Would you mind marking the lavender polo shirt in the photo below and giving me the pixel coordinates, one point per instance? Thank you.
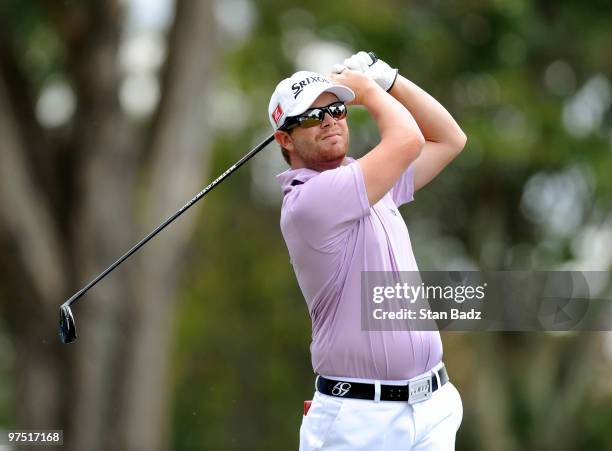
(333, 235)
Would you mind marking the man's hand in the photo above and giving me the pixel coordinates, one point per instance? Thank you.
(369, 64)
(360, 83)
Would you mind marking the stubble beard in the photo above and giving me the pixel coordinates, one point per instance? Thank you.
(325, 157)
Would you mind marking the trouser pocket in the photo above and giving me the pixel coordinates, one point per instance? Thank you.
(317, 424)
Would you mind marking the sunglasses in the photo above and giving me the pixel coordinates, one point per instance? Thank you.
(315, 116)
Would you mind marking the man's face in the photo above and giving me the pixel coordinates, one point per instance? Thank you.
(320, 147)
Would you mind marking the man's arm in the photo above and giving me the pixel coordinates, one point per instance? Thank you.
(401, 140)
(444, 139)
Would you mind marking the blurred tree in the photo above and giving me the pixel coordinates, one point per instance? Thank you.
(523, 195)
(75, 197)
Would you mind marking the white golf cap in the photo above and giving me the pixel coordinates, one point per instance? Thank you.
(295, 94)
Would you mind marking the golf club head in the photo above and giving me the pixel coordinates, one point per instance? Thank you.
(67, 330)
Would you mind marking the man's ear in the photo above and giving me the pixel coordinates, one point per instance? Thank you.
(284, 139)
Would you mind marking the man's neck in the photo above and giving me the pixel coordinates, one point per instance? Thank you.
(321, 167)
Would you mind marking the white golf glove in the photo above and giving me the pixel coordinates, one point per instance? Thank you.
(370, 65)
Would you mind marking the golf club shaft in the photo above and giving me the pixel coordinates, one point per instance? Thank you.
(144, 241)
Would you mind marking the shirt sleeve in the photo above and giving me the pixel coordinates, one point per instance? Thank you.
(403, 190)
(328, 205)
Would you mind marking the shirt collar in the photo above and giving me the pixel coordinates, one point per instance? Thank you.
(293, 177)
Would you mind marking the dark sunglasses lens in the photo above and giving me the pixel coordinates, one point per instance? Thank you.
(338, 111)
(311, 118)
(67, 329)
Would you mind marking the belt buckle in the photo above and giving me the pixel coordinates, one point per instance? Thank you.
(419, 390)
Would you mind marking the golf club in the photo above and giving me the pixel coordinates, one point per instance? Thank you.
(67, 330)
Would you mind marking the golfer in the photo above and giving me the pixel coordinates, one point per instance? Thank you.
(374, 390)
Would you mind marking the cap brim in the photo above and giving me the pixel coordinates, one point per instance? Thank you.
(343, 93)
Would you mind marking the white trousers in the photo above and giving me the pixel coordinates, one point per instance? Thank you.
(345, 424)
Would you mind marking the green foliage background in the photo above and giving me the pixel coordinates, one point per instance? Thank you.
(244, 320)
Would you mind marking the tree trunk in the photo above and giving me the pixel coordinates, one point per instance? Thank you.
(177, 172)
(110, 389)
(32, 275)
